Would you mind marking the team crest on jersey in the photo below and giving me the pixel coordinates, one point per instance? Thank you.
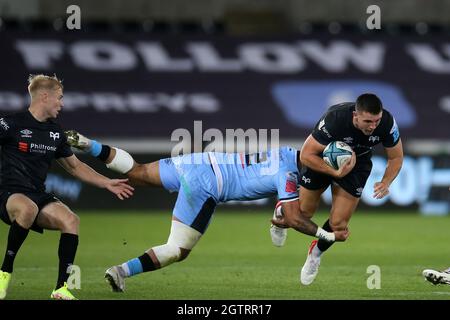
(306, 180)
(4, 124)
(54, 135)
(374, 139)
(25, 133)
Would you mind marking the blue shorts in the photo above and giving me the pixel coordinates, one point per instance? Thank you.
(197, 190)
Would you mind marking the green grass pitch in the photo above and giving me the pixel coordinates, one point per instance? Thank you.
(236, 260)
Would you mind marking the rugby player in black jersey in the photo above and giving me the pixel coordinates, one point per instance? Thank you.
(30, 140)
(362, 125)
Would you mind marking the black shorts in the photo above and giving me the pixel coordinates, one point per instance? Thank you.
(41, 199)
(353, 182)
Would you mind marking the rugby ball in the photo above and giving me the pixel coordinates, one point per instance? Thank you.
(336, 153)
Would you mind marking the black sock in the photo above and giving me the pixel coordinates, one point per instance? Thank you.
(104, 154)
(147, 263)
(322, 244)
(68, 244)
(16, 236)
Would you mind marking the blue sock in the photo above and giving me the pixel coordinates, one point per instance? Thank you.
(134, 266)
(96, 148)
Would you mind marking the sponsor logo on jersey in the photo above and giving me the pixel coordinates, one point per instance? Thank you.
(4, 124)
(374, 139)
(54, 135)
(23, 146)
(41, 148)
(25, 133)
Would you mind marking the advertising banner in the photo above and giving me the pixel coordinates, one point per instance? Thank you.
(146, 86)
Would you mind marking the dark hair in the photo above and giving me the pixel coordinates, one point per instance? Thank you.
(368, 102)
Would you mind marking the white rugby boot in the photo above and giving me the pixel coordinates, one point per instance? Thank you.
(437, 277)
(115, 277)
(278, 234)
(311, 267)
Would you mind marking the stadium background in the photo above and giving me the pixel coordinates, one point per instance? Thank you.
(138, 70)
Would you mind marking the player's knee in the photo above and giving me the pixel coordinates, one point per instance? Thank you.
(181, 240)
(28, 212)
(183, 236)
(25, 215)
(68, 223)
(73, 221)
(122, 162)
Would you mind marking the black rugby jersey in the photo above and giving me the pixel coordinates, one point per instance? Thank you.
(337, 125)
(28, 148)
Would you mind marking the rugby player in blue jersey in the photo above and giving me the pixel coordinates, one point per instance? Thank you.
(202, 181)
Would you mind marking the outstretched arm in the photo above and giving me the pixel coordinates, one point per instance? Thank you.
(85, 173)
(292, 218)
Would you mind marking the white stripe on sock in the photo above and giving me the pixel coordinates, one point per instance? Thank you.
(126, 269)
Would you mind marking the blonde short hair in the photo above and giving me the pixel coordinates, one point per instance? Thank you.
(43, 82)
